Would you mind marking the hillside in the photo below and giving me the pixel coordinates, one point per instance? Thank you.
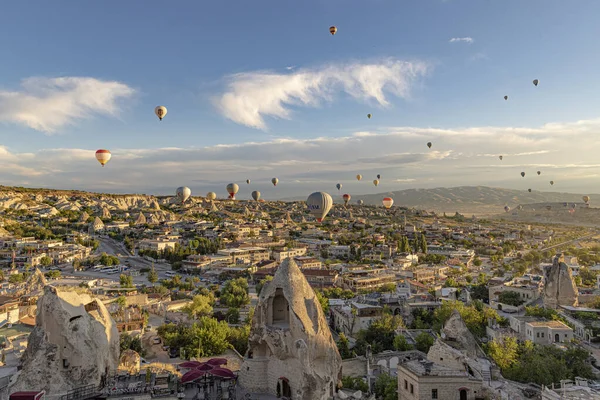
(468, 199)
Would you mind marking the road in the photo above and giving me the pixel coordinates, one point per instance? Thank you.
(114, 248)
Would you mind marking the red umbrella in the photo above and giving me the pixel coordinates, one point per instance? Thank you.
(222, 372)
(192, 376)
(204, 367)
(217, 361)
(190, 364)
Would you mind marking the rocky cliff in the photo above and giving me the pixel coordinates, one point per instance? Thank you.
(559, 286)
(74, 343)
(291, 350)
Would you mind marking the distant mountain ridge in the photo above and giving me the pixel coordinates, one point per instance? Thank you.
(469, 199)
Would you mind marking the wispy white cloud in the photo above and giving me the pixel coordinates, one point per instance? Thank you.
(399, 154)
(48, 104)
(466, 39)
(252, 96)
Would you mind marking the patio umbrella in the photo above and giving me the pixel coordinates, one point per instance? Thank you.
(217, 361)
(190, 364)
(204, 367)
(192, 376)
(222, 373)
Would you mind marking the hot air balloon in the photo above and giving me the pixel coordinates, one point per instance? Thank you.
(360, 202)
(539, 172)
(552, 182)
(332, 30)
(378, 176)
(248, 181)
(369, 116)
(338, 186)
(535, 82)
(358, 177)
(211, 195)
(103, 156)
(160, 112)
(346, 198)
(506, 208)
(274, 181)
(319, 204)
(529, 190)
(500, 157)
(183, 193)
(376, 182)
(429, 144)
(586, 199)
(520, 207)
(256, 195)
(232, 189)
(387, 202)
(505, 97)
(523, 174)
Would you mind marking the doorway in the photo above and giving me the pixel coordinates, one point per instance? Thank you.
(463, 394)
(557, 337)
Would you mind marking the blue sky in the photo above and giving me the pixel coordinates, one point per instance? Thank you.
(223, 71)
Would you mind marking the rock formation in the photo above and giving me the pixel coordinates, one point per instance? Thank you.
(291, 350)
(455, 330)
(130, 362)
(141, 219)
(83, 217)
(559, 287)
(106, 213)
(74, 343)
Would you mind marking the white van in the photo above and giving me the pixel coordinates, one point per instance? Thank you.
(170, 274)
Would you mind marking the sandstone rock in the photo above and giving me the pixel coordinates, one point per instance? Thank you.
(74, 343)
(559, 287)
(290, 345)
(84, 217)
(141, 219)
(106, 213)
(130, 362)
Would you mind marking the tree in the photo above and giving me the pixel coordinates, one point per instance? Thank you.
(233, 315)
(127, 342)
(423, 244)
(356, 383)
(16, 278)
(386, 387)
(380, 334)
(401, 344)
(235, 293)
(46, 261)
(204, 338)
(152, 275)
(344, 346)
(504, 352)
(403, 245)
(126, 281)
(511, 298)
(55, 274)
(423, 342)
(200, 306)
(262, 283)
(477, 262)
(324, 301)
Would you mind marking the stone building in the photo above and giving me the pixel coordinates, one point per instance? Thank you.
(425, 380)
(291, 352)
(559, 288)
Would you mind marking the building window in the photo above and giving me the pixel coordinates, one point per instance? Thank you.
(405, 384)
(542, 334)
(434, 394)
(412, 389)
(538, 334)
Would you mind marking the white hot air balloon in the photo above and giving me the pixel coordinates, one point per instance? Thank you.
(256, 195)
(232, 189)
(388, 202)
(274, 181)
(183, 193)
(211, 195)
(160, 112)
(319, 204)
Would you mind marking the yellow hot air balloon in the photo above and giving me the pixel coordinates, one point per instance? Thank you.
(211, 195)
(388, 202)
(586, 199)
(160, 112)
(358, 177)
(369, 116)
(103, 156)
(332, 30)
(376, 182)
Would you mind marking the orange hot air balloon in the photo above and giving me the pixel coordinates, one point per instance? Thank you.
(103, 156)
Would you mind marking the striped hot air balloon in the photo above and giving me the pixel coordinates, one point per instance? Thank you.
(103, 156)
